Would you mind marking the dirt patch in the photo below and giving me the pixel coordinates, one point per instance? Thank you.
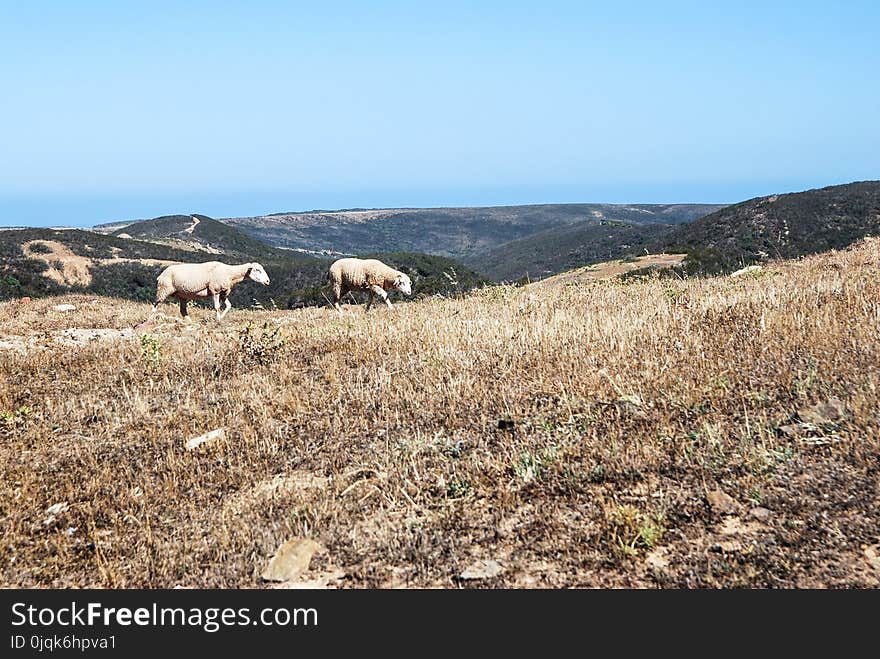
(611, 269)
(69, 269)
(65, 267)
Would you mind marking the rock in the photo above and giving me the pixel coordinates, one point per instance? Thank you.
(53, 511)
(827, 412)
(482, 569)
(212, 436)
(728, 546)
(872, 554)
(721, 502)
(734, 526)
(64, 307)
(760, 514)
(321, 581)
(658, 558)
(24, 300)
(792, 430)
(57, 508)
(291, 560)
(751, 269)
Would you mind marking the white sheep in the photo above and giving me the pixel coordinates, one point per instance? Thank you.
(368, 275)
(190, 281)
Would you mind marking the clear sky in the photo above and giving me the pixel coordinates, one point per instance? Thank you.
(120, 110)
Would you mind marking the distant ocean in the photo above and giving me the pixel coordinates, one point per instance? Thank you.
(85, 210)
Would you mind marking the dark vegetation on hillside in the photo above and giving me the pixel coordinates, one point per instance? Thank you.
(115, 270)
(21, 276)
(460, 233)
(208, 233)
(778, 226)
(566, 248)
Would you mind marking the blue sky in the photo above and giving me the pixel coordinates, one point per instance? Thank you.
(115, 110)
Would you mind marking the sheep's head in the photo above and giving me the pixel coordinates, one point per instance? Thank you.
(258, 274)
(403, 284)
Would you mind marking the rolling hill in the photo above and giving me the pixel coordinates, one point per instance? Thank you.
(198, 233)
(40, 262)
(459, 233)
(563, 248)
(778, 226)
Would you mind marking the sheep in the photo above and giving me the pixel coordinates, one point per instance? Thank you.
(189, 281)
(371, 275)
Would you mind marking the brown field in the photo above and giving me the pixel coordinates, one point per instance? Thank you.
(648, 433)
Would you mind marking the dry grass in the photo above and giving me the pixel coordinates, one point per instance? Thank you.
(608, 269)
(574, 434)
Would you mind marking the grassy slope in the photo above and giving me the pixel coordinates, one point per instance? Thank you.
(576, 434)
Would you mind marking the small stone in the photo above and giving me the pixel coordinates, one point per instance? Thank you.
(291, 560)
(760, 514)
(24, 300)
(728, 546)
(482, 569)
(321, 581)
(821, 413)
(751, 269)
(873, 555)
(791, 430)
(64, 307)
(658, 559)
(721, 502)
(212, 436)
(57, 508)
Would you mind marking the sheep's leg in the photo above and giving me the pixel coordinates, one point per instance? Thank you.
(369, 300)
(225, 300)
(337, 296)
(161, 295)
(216, 297)
(183, 311)
(378, 290)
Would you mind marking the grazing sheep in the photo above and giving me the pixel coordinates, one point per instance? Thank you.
(366, 275)
(189, 281)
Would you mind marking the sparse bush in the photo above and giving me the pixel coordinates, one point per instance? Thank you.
(12, 422)
(41, 248)
(261, 346)
(532, 466)
(630, 529)
(151, 349)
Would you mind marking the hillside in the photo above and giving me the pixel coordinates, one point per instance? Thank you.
(199, 233)
(40, 262)
(459, 233)
(778, 226)
(646, 433)
(563, 248)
